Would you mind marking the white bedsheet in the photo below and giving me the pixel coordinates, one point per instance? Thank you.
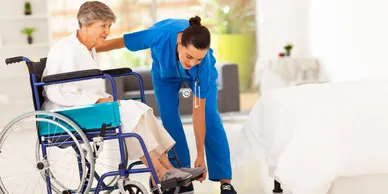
(313, 134)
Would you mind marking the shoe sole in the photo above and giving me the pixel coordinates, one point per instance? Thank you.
(188, 192)
(196, 177)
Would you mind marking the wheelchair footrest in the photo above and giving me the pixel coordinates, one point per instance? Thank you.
(173, 183)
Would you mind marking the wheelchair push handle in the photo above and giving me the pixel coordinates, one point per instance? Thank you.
(16, 60)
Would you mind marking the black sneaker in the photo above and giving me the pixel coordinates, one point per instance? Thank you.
(227, 189)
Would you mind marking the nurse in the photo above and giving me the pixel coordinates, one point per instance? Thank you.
(182, 56)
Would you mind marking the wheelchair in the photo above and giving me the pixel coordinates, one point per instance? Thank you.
(72, 145)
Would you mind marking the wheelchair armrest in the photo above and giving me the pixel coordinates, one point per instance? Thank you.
(118, 71)
(72, 75)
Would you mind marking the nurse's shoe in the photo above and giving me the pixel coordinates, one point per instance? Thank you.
(227, 189)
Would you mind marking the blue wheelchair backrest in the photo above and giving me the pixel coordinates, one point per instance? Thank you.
(37, 68)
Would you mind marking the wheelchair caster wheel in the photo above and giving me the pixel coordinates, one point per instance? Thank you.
(133, 187)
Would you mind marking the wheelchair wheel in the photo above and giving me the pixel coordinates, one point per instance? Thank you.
(134, 187)
(108, 161)
(68, 155)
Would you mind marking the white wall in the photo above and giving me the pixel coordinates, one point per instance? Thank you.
(350, 37)
(15, 92)
(281, 22)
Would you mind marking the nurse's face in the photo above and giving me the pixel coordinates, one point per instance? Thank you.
(190, 56)
(98, 31)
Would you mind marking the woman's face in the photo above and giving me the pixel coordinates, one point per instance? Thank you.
(98, 31)
(190, 56)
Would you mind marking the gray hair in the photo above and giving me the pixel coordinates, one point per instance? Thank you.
(91, 11)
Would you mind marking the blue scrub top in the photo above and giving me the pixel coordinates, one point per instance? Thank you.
(161, 38)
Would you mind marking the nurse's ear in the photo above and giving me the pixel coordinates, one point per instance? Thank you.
(179, 47)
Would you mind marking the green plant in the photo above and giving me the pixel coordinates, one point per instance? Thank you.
(27, 8)
(228, 16)
(27, 31)
(288, 47)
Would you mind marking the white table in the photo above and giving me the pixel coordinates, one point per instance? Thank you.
(285, 72)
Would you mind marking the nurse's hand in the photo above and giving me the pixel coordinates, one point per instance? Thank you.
(102, 100)
(200, 162)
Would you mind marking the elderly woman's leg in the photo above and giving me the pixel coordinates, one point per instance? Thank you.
(156, 139)
(163, 172)
(165, 161)
(161, 135)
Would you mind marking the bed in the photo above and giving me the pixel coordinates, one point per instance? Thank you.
(318, 138)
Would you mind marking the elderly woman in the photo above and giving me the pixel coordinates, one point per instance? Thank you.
(77, 52)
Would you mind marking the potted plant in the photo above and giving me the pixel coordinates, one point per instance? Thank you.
(233, 28)
(27, 8)
(28, 32)
(288, 49)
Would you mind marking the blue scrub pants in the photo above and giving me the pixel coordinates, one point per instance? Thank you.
(216, 142)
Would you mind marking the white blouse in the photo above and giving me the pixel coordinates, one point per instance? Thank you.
(67, 55)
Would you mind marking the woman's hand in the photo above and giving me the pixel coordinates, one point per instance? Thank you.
(200, 162)
(102, 100)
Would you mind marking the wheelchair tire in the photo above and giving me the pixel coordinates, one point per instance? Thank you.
(33, 180)
(134, 187)
(110, 182)
(101, 167)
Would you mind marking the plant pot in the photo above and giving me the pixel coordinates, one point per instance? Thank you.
(29, 39)
(239, 49)
(288, 53)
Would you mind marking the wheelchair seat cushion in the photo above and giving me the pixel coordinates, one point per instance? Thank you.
(88, 118)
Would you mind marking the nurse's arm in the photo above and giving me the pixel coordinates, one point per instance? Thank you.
(199, 125)
(112, 44)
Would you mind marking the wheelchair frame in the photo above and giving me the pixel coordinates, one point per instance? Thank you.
(122, 171)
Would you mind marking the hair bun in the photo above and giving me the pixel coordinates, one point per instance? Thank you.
(194, 21)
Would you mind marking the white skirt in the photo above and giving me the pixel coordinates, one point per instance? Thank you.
(137, 117)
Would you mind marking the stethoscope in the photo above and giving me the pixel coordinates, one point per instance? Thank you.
(186, 92)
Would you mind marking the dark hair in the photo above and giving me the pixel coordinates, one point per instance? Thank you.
(196, 34)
